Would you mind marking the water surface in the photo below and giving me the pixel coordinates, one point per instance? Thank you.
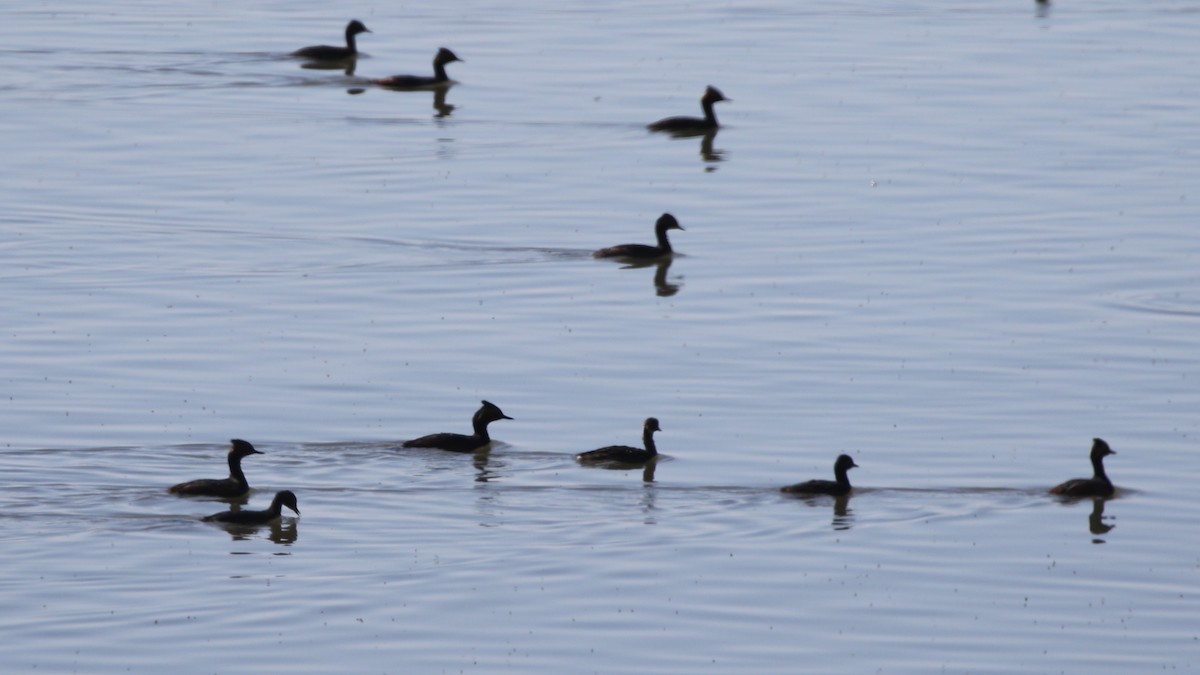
(953, 240)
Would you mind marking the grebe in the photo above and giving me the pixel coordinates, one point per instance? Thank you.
(838, 487)
(486, 414)
(644, 251)
(330, 53)
(625, 454)
(1098, 485)
(234, 486)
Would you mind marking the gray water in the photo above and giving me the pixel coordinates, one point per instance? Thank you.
(955, 240)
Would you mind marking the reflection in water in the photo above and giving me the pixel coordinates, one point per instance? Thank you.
(439, 103)
(648, 467)
(1043, 8)
(662, 287)
(843, 517)
(706, 149)
(439, 98)
(1096, 522)
(707, 153)
(484, 471)
(649, 496)
(282, 531)
(347, 66)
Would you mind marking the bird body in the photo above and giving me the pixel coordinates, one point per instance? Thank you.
(282, 498)
(486, 414)
(233, 486)
(644, 251)
(839, 486)
(1098, 485)
(624, 454)
(331, 53)
(439, 78)
(693, 126)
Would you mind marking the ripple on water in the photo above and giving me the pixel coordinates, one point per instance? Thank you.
(1184, 304)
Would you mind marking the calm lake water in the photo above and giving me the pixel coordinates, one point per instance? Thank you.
(956, 240)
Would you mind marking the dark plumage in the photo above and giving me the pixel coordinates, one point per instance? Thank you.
(838, 487)
(439, 78)
(330, 53)
(624, 454)
(486, 414)
(644, 251)
(234, 486)
(282, 498)
(1098, 485)
(693, 125)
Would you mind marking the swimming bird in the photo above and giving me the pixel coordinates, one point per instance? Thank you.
(838, 487)
(625, 454)
(486, 414)
(693, 125)
(282, 498)
(234, 486)
(1098, 485)
(330, 53)
(644, 251)
(439, 78)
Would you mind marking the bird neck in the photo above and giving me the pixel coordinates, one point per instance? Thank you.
(439, 71)
(480, 424)
(648, 441)
(663, 243)
(235, 470)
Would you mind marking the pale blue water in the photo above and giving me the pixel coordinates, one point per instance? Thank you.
(955, 240)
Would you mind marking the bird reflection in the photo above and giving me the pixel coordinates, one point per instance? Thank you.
(662, 287)
(485, 470)
(1043, 8)
(439, 103)
(649, 498)
(706, 149)
(283, 531)
(348, 66)
(1096, 523)
(439, 98)
(707, 152)
(843, 516)
(648, 472)
(648, 467)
